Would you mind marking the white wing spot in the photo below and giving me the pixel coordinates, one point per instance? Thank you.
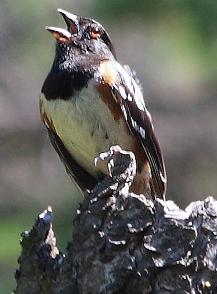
(138, 97)
(139, 129)
(122, 92)
(129, 97)
(163, 179)
(142, 132)
(135, 91)
(124, 112)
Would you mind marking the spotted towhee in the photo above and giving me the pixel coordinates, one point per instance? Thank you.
(89, 102)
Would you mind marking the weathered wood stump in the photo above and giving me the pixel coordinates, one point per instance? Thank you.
(123, 243)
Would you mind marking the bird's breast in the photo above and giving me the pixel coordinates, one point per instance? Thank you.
(87, 125)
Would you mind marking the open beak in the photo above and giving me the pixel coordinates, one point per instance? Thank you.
(71, 21)
(58, 33)
(63, 35)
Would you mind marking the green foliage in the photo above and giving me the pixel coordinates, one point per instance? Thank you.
(201, 14)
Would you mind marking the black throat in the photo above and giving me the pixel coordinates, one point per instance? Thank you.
(70, 72)
(62, 84)
(72, 68)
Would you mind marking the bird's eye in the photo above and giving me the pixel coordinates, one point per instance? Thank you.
(95, 32)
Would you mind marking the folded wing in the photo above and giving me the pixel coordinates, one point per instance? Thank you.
(127, 92)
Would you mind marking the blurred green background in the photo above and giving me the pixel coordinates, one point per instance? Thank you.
(172, 44)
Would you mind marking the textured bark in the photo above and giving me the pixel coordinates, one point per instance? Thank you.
(123, 243)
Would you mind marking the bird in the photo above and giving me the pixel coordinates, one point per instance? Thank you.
(90, 102)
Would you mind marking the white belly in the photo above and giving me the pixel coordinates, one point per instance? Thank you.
(86, 127)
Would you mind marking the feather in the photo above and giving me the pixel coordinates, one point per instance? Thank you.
(128, 94)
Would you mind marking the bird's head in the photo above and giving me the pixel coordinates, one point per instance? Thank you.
(81, 37)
